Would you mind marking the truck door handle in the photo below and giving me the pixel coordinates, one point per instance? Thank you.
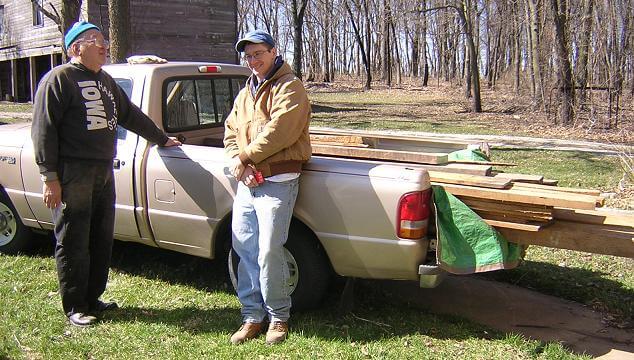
(116, 163)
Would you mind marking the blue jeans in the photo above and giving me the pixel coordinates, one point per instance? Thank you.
(260, 223)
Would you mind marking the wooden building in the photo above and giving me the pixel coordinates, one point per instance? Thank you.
(31, 44)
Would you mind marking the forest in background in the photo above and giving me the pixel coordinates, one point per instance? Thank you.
(575, 59)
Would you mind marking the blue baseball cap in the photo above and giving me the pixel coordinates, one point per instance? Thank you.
(255, 37)
(77, 29)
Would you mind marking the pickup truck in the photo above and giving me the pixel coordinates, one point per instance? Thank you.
(355, 218)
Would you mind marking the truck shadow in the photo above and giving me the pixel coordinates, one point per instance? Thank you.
(381, 309)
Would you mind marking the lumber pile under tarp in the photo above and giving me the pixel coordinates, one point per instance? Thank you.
(545, 215)
(524, 208)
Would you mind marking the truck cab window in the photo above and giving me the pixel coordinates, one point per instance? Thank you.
(126, 86)
(191, 104)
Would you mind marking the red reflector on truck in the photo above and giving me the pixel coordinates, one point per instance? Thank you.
(209, 69)
(413, 215)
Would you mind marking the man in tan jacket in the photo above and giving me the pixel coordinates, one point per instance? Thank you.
(267, 141)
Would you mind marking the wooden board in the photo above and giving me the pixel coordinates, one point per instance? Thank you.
(555, 190)
(344, 139)
(559, 188)
(493, 163)
(536, 179)
(471, 169)
(466, 179)
(558, 199)
(514, 226)
(361, 153)
(516, 212)
(592, 238)
(594, 217)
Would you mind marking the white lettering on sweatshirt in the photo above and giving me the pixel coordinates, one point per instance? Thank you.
(95, 114)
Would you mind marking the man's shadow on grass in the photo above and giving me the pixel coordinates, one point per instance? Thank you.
(194, 320)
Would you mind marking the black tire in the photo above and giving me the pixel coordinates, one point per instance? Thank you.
(14, 236)
(308, 264)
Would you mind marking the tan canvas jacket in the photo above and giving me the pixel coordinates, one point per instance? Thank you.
(270, 130)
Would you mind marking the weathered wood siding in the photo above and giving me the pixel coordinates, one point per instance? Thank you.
(175, 30)
(20, 38)
(203, 30)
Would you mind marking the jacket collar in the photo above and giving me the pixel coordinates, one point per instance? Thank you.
(280, 68)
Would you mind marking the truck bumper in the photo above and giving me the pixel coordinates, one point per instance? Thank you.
(430, 275)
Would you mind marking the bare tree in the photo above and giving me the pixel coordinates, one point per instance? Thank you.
(564, 70)
(119, 17)
(69, 15)
(298, 10)
(365, 53)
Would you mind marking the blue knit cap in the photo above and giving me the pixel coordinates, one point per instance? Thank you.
(77, 29)
(255, 37)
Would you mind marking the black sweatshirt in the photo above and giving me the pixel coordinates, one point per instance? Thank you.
(75, 116)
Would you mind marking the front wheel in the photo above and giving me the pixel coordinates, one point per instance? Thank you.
(14, 236)
(307, 264)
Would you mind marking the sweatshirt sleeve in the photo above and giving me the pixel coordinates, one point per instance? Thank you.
(48, 110)
(132, 118)
(290, 114)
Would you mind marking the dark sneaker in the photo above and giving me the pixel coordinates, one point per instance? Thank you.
(101, 306)
(246, 332)
(81, 319)
(278, 332)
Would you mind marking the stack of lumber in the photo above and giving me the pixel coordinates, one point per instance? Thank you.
(525, 209)
(546, 215)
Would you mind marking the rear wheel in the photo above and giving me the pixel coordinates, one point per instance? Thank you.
(307, 264)
(14, 236)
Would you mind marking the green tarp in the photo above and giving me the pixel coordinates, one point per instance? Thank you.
(466, 244)
(468, 155)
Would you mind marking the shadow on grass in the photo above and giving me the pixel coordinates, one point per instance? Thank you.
(173, 267)
(331, 109)
(191, 319)
(376, 314)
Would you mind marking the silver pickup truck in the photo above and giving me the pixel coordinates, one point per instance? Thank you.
(357, 218)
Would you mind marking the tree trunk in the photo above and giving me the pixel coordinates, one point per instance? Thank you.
(119, 15)
(465, 16)
(516, 43)
(424, 45)
(387, 49)
(364, 55)
(298, 23)
(416, 47)
(564, 71)
(584, 49)
(533, 26)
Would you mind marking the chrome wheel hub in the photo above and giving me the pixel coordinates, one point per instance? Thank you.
(293, 271)
(8, 225)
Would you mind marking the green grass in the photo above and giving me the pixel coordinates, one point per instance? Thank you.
(176, 306)
(15, 107)
(571, 168)
(8, 108)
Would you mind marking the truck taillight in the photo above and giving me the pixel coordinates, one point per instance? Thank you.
(209, 69)
(413, 215)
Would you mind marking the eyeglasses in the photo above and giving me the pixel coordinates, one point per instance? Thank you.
(255, 56)
(101, 43)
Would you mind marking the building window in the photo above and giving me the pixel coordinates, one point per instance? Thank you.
(38, 16)
(1, 20)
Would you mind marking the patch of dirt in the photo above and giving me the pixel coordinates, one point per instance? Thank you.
(512, 309)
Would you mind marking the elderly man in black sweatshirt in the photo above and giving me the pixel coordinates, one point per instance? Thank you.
(77, 109)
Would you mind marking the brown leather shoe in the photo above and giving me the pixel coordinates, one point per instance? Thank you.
(246, 332)
(278, 331)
